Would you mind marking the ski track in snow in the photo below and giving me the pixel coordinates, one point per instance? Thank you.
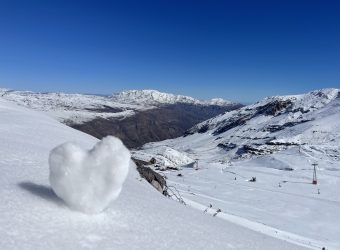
(254, 225)
(260, 227)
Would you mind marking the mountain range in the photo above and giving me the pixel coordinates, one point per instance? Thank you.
(136, 116)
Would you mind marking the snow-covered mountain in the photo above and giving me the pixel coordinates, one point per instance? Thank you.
(275, 123)
(33, 217)
(74, 108)
(154, 97)
(136, 117)
(275, 140)
(78, 108)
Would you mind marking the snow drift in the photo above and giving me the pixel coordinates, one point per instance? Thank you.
(89, 180)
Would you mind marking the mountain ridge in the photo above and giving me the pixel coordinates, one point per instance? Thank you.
(155, 97)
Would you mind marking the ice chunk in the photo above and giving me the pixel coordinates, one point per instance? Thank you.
(89, 180)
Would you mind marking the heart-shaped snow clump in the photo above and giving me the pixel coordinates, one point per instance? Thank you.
(89, 180)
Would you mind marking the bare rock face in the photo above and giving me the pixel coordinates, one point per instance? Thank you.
(164, 122)
(151, 176)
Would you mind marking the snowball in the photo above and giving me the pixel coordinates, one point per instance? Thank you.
(89, 180)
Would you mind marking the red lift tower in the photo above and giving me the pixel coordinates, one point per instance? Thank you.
(315, 181)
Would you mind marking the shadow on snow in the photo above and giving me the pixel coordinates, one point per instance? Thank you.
(41, 191)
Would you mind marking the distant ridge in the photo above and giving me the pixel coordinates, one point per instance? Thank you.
(155, 97)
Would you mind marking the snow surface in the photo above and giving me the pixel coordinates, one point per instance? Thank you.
(88, 180)
(282, 201)
(33, 217)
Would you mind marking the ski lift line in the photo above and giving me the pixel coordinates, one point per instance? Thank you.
(316, 159)
(315, 181)
(336, 203)
(308, 155)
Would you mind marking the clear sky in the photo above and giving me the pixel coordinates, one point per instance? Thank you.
(238, 50)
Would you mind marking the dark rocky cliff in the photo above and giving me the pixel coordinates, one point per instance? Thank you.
(165, 122)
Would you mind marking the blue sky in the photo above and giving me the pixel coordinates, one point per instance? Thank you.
(238, 50)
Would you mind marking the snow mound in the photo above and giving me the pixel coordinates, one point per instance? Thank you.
(165, 156)
(89, 180)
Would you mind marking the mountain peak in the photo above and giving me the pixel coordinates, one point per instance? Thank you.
(155, 97)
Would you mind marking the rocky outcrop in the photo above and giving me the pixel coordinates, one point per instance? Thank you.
(275, 128)
(232, 123)
(250, 149)
(151, 176)
(274, 108)
(105, 109)
(227, 146)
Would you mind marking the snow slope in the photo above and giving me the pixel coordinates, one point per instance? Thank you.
(32, 217)
(275, 140)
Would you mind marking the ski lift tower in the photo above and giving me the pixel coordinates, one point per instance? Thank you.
(315, 181)
(196, 163)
